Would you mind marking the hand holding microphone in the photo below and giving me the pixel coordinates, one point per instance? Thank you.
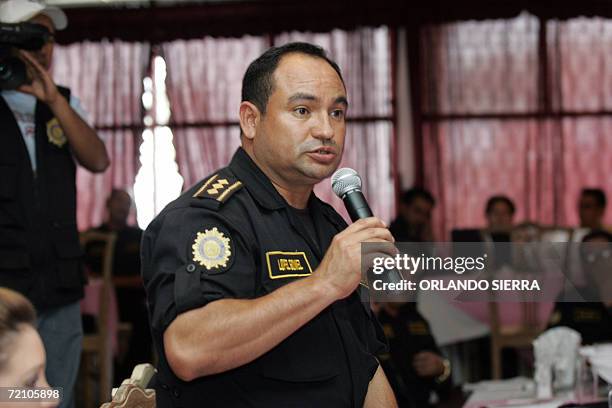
(346, 184)
(341, 265)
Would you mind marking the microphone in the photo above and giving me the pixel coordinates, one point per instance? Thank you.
(346, 184)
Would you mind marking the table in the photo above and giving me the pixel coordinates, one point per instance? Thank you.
(516, 393)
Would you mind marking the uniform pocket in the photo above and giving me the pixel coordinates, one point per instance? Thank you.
(310, 354)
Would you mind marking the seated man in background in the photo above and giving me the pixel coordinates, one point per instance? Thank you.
(500, 213)
(591, 208)
(414, 364)
(413, 223)
(592, 319)
(126, 279)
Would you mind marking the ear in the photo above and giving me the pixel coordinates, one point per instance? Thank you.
(249, 119)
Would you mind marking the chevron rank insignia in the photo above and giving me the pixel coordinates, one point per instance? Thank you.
(219, 187)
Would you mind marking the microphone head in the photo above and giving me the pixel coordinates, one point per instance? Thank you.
(345, 180)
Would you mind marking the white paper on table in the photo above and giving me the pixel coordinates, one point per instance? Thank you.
(512, 384)
(600, 357)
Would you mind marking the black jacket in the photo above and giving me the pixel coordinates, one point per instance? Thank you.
(39, 246)
(234, 236)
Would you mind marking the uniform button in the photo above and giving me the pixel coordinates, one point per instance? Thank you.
(191, 268)
(176, 393)
(164, 386)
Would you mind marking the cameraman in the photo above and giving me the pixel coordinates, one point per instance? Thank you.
(43, 131)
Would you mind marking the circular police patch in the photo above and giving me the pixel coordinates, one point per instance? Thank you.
(211, 249)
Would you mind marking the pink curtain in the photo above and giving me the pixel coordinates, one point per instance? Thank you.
(480, 67)
(580, 51)
(107, 78)
(471, 160)
(199, 152)
(492, 127)
(204, 85)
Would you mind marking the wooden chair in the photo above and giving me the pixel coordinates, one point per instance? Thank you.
(97, 346)
(519, 336)
(133, 392)
(522, 334)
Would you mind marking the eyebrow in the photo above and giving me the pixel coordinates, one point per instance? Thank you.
(300, 96)
(341, 100)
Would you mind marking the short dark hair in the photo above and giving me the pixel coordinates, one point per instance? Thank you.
(258, 84)
(408, 196)
(597, 233)
(598, 194)
(499, 199)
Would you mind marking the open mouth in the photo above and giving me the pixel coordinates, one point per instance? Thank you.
(325, 151)
(323, 155)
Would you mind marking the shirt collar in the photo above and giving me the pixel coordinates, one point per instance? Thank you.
(261, 188)
(258, 184)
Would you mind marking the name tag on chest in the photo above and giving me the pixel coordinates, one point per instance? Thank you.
(287, 264)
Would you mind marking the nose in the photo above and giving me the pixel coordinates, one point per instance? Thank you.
(323, 129)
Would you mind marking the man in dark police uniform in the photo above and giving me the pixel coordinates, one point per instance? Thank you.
(586, 307)
(253, 282)
(414, 358)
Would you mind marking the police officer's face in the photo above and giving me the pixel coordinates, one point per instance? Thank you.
(300, 138)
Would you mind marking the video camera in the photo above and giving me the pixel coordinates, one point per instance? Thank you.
(25, 36)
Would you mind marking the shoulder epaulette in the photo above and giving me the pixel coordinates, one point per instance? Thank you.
(220, 186)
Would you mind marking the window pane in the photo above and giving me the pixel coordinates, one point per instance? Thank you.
(468, 161)
(480, 66)
(205, 76)
(580, 55)
(587, 161)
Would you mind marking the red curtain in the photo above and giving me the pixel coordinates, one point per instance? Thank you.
(204, 84)
(493, 124)
(107, 78)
